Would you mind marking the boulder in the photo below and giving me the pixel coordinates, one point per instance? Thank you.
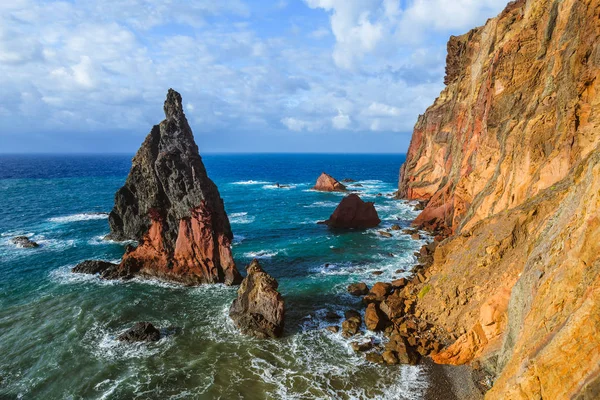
(258, 309)
(24, 242)
(375, 320)
(172, 209)
(399, 283)
(385, 234)
(403, 352)
(395, 227)
(140, 332)
(358, 289)
(348, 180)
(389, 357)
(353, 213)
(333, 329)
(327, 183)
(377, 273)
(374, 358)
(362, 346)
(104, 268)
(381, 289)
(351, 325)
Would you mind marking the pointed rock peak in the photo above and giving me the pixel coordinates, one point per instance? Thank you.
(173, 107)
(254, 267)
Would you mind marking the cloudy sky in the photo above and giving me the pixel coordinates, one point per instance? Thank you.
(255, 76)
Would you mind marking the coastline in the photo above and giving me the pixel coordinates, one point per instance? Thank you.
(450, 382)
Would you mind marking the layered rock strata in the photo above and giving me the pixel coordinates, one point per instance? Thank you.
(259, 309)
(508, 160)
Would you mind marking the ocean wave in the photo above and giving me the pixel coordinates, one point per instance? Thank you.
(261, 254)
(251, 182)
(241, 218)
(237, 239)
(78, 217)
(280, 187)
(319, 204)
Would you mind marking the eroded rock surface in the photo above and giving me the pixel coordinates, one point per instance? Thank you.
(508, 160)
(258, 309)
(24, 242)
(170, 206)
(140, 332)
(353, 213)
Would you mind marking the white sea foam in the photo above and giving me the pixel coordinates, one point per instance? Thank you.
(251, 182)
(241, 218)
(280, 187)
(319, 204)
(78, 217)
(261, 254)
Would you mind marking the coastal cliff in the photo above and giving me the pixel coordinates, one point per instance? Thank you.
(172, 209)
(508, 160)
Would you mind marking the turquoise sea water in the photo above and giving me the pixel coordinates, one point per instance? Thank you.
(57, 329)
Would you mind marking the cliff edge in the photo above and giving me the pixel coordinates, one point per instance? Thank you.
(508, 158)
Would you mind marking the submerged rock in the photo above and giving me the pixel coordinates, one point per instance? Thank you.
(258, 309)
(327, 183)
(24, 242)
(353, 213)
(140, 332)
(170, 206)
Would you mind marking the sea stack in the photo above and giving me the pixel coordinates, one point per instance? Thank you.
(327, 183)
(173, 210)
(259, 308)
(353, 213)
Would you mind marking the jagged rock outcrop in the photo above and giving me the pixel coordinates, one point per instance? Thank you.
(353, 213)
(258, 309)
(170, 206)
(327, 183)
(104, 268)
(508, 158)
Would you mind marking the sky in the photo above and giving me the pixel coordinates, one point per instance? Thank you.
(320, 76)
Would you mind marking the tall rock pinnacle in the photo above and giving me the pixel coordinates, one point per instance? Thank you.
(175, 212)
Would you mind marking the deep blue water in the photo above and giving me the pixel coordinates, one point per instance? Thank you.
(57, 330)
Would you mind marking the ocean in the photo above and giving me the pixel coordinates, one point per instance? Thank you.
(58, 329)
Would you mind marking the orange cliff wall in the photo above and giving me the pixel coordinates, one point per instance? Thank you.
(515, 117)
(509, 158)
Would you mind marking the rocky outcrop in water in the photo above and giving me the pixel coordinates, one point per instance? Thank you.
(24, 242)
(140, 332)
(327, 183)
(173, 210)
(508, 160)
(353, 213)
(103, 268)
(258, 309)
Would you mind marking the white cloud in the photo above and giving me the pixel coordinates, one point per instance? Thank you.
(341, 121)
(382, 110)
(319, 33)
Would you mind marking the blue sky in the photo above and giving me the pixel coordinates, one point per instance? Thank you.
(255, 76)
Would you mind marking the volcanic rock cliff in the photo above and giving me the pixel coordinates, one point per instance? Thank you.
(170, 206)
(508, 158)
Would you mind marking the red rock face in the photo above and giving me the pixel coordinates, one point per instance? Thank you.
(170, 206)
(200, 254)
(352, 212)
(327, 183)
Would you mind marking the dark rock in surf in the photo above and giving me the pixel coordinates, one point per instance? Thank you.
(24, 242)
(353, 213)
(358, 289)
(140, 332)
(258, 309)
(104, 268)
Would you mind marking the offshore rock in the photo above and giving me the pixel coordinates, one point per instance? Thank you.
(170, 206)
(258, 309)
(103, 268)
(508, 160)
(327, 183)
(353, 213)
(24, 242)
(140, 332)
